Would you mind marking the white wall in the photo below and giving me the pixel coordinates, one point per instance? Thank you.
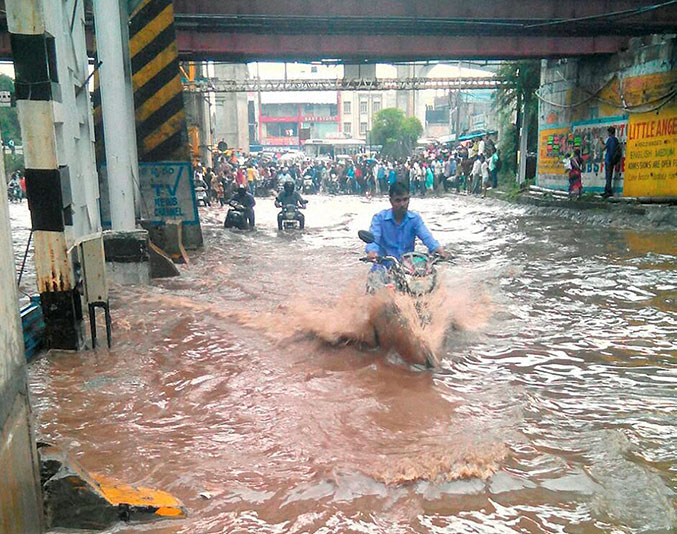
(73, 115)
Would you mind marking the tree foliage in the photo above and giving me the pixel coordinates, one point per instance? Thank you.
(524, 79)
(9, 128)
(396, 133)
(9, 119)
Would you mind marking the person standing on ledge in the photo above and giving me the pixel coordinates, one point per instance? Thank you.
(612, 157)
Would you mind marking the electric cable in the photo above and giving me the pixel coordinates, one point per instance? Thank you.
(615, 14)
(23, 263)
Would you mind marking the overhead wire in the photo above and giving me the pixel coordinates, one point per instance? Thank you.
(614, 14)
(662, 100)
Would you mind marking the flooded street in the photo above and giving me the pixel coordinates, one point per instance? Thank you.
(553, 410)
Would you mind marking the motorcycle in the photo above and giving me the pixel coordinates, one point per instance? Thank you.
(308, 185)
(14, 193)
(414, 275)
(290, 217)
(236, 216)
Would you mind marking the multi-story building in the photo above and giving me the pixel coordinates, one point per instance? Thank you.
(358, 109)
(286, 119)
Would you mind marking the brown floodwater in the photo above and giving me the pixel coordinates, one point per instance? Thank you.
(553, 410)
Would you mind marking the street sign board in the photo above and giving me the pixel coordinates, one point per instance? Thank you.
(5, 99)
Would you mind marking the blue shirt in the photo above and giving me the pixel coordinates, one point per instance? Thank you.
(611, 146)
(392, 239)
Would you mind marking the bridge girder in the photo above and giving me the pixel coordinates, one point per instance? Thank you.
(388, 48)
(405, 30)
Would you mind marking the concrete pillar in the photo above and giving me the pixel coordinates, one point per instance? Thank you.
(405, 99)
(20, 495)
(126, 247)
(36, 86)
(198, 116)
(232, 124)
(411, 102)
(114, 100)
(366, 71)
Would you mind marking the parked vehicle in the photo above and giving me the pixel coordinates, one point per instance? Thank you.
(202, 196)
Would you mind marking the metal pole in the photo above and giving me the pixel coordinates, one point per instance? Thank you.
(524, 133)
(459, 101)
(108, 25)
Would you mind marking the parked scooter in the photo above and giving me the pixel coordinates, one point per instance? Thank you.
(202, 196)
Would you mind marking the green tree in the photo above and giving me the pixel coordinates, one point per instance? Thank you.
(10, 129)
(396, 133)
(524, 79)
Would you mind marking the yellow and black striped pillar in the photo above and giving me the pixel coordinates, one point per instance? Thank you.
(160, 121)
(161, 129)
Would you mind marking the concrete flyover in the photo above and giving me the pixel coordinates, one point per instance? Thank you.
(402, 30)
(395, 30)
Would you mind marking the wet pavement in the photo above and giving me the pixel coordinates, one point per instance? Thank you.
(553, 410)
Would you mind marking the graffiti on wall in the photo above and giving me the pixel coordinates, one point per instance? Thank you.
(590, 137)
(555, 144)
(651, 159)
(649, 141)
(551, 150)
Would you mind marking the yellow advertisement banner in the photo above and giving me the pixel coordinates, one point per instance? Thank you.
(552, 147)
(651, 159)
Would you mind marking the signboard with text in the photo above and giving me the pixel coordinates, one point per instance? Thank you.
(5, 99)
(551, 150)
(315, 118)
(167, 192)
(651, 158)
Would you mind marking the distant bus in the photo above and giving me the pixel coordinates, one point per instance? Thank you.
(316, 148)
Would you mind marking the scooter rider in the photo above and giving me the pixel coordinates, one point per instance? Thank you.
(244, 197)
(289, 196)
(395, 230)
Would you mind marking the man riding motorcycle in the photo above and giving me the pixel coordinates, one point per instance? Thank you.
(244, 197)
(395, 231)
(288, 196)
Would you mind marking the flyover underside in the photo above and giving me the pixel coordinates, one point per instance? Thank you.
(199, 45)
(596, 16)
(403, 30)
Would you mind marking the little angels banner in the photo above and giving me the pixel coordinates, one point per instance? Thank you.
(651, 161)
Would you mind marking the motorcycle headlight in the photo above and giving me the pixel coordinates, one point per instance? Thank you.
(420, 285)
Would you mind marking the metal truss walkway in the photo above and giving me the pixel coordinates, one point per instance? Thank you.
(341, 84)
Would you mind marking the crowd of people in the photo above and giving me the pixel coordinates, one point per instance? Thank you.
(471, 167)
